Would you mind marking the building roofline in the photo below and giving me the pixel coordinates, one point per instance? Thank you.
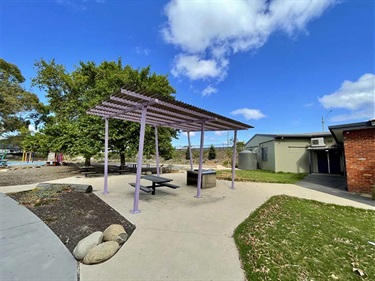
(337, 130)
(359, 125)
(301, 135)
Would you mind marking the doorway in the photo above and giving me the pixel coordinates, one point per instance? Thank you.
(322, 161)
(328, 161)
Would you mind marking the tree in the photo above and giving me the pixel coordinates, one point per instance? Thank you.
(36, 142)
(18, 108)
(187, 154)
(211, 153)
(72, 94)
(240, 146)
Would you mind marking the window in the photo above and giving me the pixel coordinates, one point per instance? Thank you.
(264, 153)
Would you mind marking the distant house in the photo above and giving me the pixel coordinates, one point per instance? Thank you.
(297, 153)
(358, 141)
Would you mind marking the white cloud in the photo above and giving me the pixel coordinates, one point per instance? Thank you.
(195, 68)
(213, 30)
(308, 105)
(142, 51)
(357, 97)
(360, 115)
(220, 133)
(209, 90)
(249, 113)
(192, 134)
(77, 4)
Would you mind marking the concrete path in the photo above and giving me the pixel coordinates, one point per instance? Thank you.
(29, 249)
(331, 184)
(180, 237)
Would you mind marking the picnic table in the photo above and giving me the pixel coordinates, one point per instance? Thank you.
(134, 165)
(87, 170)
(3, 162)
(156, 182)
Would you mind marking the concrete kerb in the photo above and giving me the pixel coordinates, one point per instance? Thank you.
(181, 237)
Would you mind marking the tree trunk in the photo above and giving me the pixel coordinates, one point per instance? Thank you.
(87, 160)
(122, 160)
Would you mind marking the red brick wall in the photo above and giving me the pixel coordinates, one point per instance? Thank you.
(359, 148)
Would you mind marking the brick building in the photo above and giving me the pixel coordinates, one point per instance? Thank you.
(358, 140)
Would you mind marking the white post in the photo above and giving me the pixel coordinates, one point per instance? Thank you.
(157, 151)
(105, 191)
(190, 154)
(139, 163)
(234, 158)
(328, 162)
(199, 183)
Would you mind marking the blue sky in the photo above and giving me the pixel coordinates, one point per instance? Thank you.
(279, 66)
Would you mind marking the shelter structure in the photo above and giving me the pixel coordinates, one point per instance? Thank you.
(158, 111)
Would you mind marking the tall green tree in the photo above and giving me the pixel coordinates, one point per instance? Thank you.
(18, 107)
(71, 94)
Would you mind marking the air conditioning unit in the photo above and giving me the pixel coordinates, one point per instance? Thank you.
(317, 142)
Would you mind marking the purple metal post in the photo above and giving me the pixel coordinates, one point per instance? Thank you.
(157, 151)
(140, 159)
(105, 191)
(190, 154)
(234, 158)
(199, 184)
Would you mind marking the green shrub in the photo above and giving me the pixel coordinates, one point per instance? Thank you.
(187, 154)
(211, 153)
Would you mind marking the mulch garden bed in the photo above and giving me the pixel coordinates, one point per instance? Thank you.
(71, 215)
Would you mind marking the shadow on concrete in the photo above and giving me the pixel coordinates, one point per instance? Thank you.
(333, 185)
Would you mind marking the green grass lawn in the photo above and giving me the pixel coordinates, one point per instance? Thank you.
(260, 176)
(289, 238)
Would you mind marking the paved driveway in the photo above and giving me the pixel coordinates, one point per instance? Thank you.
(332, 184)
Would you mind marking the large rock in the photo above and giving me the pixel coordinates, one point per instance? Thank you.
(101, 252)
(115, 232)
(86, 244)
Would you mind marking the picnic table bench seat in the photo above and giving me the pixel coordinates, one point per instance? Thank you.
(155, 184)
(88, 173)
(143, 188)
(170, 185)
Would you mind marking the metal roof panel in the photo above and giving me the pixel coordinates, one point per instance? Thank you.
(162, 111)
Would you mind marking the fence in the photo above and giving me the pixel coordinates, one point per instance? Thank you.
(196, 146)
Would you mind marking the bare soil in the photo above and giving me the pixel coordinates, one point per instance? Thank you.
(71, 215)
(28, 175)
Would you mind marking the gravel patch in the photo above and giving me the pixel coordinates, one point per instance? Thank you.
(29, 175)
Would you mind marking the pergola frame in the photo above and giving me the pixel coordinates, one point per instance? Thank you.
(158, 111)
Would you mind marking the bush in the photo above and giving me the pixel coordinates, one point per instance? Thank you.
(211, 153)
(187, 154)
